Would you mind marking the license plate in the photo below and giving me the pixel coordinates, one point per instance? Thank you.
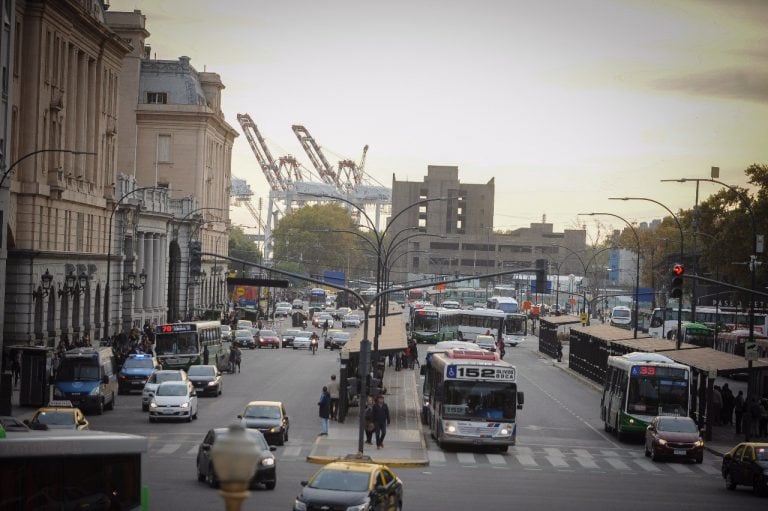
(137, 383)
(167, 412)
(680, 452)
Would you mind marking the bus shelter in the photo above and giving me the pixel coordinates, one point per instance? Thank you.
(707, 364)
(549, 329)
(590, 347)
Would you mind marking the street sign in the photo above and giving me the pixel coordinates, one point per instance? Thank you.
(750, 350)
(239, 291)
(583, 318)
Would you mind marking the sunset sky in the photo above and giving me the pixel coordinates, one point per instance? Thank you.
(564, 102)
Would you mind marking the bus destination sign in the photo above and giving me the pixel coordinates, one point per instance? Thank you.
(472, 372)
(175, 327)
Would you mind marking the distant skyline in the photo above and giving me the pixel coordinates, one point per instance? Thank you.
(565, 103)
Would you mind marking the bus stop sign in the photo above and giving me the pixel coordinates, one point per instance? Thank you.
(750, 350)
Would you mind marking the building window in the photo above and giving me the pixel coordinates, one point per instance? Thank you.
(157, 98)
(164, 148)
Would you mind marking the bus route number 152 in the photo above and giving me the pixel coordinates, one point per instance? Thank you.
(486, 373)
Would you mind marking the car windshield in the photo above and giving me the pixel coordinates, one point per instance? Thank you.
(138, 363)
(268, 333)
(651, 395)
(161, 377)
(262, 412)
(202, 371)
(55, 418)
(340, 480)
(243, 333)
(74, 370)
(489, 400)
(172, 390)
(178, 343)
(677, 426)
(303, 334)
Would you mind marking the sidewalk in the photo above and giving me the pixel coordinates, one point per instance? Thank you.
(404, 444)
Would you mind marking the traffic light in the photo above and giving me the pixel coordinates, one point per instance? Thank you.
(676, 285)
(195, 257)
(541, 275)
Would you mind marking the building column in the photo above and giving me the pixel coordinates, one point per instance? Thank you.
(90, 122)
(146, 261)
(139, 296)
(71, 105)
(82, 109)
(156, 263)
(163, 276)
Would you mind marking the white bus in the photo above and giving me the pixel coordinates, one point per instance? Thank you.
(480, 322)
(62, 469)
(503, 303)
(471, 397)
(638, 387)
(621, 316)
(664, 321)
(466, 296)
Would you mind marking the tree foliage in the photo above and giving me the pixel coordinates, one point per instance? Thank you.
(241, 247)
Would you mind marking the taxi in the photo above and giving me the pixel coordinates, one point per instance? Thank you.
(747, 464)
(58, 415)
(351, 484)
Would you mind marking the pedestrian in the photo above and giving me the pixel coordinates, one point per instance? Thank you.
(238, 357)
(726, 415)
(232, 358)
(559, 350)
(205, 355)
(764, 416)
(753, 413)
(717, 405)
(16, 366)
(415, 354)
(369, 425)
(391, 358)
(380, 420)
(738, 409)
(333, 392)
(324, 406)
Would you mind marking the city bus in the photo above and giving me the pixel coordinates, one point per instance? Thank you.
(181, 345)
(621, 316)
(317, 297)
(64, 469)
(416, 295)
(503, 303)
(467, 297)
(664, 321)
(430, 325)
(480, 322)
(698, 334)
(505, 291)
(733, 342)
(471, 397)
(640, 386)
(515, 329)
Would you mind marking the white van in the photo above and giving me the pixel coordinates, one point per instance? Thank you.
(621, 316)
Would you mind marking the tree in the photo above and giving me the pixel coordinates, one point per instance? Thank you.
(241, 247)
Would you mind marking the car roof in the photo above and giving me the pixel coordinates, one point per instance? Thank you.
(265, 403)
(169, 371)
(675, 418)
(354, 466)
(169, 383)
(203, 365)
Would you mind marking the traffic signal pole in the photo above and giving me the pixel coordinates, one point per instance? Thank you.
(676, 291)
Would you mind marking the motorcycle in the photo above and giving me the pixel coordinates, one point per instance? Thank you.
(313, 345)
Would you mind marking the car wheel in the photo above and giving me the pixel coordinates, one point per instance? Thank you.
(270, 485)
(200, 476)
(700, 459)
(729, 482)
(111, 405)
(503, 448)
(758, 486)
(280, 440)
(211, 478)
(151, 419)
(189, 418)
(647, 452)
(654, 456)
(100, 407)
(286, 435)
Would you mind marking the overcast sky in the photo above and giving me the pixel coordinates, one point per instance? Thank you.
(564, 102)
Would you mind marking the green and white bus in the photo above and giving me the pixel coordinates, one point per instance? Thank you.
(466, 296)
(471, 397)
(640, 386)
(431, 325)
(181, 345)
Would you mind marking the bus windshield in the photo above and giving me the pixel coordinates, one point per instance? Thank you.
(175, 344)
(78, 370)
(515, 325)
(487, 400)
(654, 395)
(425, 323)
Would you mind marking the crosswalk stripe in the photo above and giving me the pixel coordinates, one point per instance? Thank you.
(680, 469)
(609, 453)
(557, 461)
(647, 465)
(526, 460)
(582, 453)
(192, 450)
(709, 469)
(551, 451)
(436, 456)
(466, 458)
(616, 463)
(496, 459)
(522, 450)
(292, 450)
(586, 462)
(168, 449)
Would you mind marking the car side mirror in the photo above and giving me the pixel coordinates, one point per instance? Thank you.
(272, 448)
(239, 416)
(520, 398)
(304, 483)
(649, 428)
(81, 423)
(193, 393)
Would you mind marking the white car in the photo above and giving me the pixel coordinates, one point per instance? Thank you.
(513, 340)
(154, 381)
(283, 311)
(301, 340)
(226, 332)
(174, 400)
(487, 342)
(350, 320)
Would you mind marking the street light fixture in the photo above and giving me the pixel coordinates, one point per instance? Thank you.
(234, 458)
(131, 284)
(74, 285)
(46, 279)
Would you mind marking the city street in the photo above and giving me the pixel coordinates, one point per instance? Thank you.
(563, 459)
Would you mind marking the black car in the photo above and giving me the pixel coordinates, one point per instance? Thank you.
(269, 417)
(244, 338)
(288, 335)
(266, 469)
(206, 379)
(747, 464)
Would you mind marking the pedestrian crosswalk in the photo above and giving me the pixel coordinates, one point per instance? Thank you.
(186, 446)
(571, 459)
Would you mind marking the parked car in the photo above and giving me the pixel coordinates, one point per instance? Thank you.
(351, 485)
(135, 371)
(301, 340)
(674, 437)
(154, 381)
(288, 335)
(338, 340)
(244, 338)
(268, 339)
(206, 379)
(269, 417)
(174, 400)
(747, 464)
(266, 468)
(59, 414)
(350, 320)
(487, 342)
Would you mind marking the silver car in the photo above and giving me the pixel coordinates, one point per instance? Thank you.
(301, 340)
(154, 381)
(350, 320)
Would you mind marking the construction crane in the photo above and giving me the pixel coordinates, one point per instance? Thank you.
(323, 168)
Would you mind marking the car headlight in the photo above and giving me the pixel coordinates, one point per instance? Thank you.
(184, 405)
(359, 507)
(153, 405)
(212, 383)
(95, 392)
(450, 427)
(268, 462)
(699, 443)
(299, 506)
(274, 430)
(661, 441)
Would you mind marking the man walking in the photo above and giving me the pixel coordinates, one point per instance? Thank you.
(324, 406)
(738, 408)
(380, 420)
(333, 392)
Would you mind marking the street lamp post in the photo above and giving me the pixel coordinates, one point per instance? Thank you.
(7, 171)
(637, 259)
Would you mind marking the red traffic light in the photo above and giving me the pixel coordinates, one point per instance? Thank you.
(678, 270)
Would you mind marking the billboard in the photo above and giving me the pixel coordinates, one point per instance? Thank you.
(337, 278)
(245, 296)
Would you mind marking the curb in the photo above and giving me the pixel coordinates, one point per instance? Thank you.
(390, 462)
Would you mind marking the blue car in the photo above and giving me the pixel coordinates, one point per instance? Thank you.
(135, 371)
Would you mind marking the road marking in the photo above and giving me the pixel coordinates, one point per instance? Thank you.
(557, 461)
(709, 469)
(582, 453)
(526, 460)
(466, 458)
(609, 453)
(293, 450)
(680, 469)
(436, 456)
(496, 459)
(617, 464)
(522, 450)
(192, 450)
(168, 449)
(586, 462)
(646, 465)
(553, 452)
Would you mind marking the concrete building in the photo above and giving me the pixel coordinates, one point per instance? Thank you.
(8, 13)
(66, 65)
(174, 135)
(623, 267)
(459, 235)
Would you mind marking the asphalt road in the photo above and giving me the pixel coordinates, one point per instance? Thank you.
(563, 459)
